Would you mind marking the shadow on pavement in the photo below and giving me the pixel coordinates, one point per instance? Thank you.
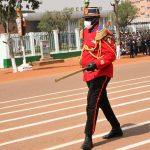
(127, 133)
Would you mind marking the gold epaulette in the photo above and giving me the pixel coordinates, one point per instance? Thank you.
(101, 34)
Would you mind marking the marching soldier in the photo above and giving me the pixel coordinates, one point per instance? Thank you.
(98, 53)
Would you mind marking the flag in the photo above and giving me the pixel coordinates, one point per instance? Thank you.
(109, 23)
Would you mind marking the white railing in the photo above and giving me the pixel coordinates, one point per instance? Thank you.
(32, 44)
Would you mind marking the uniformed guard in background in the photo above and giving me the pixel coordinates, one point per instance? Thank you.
(98, 53)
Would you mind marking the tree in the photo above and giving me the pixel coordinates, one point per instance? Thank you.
(55, 20)
(115, 7)
(126, 13)
(8, 14)
(67, 15)
(8, 10)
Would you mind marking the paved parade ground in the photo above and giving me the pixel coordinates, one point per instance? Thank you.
(38, 114)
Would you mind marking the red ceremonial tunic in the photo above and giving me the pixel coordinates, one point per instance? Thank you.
(104, 63)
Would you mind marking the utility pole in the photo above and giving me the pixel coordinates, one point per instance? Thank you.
(21, 24)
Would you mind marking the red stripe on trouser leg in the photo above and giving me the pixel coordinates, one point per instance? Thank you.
(98, 99)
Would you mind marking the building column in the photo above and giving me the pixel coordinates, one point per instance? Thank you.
(56, 40)
(4, 52)
(32, 46)
(149, 26)
(77, 35)
(134, 28)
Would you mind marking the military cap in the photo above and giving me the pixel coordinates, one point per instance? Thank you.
(91, 12)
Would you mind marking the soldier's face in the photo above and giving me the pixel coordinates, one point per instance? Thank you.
(88, 22)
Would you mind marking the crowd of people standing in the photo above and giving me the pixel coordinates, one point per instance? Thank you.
(135, 43)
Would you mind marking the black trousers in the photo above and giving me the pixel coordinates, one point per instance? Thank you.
(97, 98)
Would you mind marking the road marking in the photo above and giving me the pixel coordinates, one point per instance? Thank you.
(65, 117)
(66, 129)
(42, 106)
(50, 99)
(139, 87)
(94, 137)
(134, 145)
(37, 107)
(128, 84)
(67, 108)
(25, 98)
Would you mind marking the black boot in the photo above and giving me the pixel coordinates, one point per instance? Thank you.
(115, 132)
(87, 144)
